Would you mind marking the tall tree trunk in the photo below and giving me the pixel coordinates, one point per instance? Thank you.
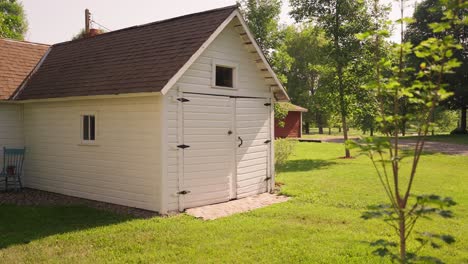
(307, 128)
(339, 70)
(339, 129)
(463, 119)
(433, 120)
(372, 131)
(403, 127)
(318, 120)
(329, 130)
(343, 108)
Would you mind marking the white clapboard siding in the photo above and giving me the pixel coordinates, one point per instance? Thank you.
(227, 46)
(123, 167)
(11, 127)
(172, 177)
(208, 176)
(252, 157)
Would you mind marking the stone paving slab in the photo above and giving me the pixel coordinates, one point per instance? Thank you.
(214, 211)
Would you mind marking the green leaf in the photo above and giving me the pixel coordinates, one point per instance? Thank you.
(439, 27)
(406, 20)
(449, 53)
(364, 35)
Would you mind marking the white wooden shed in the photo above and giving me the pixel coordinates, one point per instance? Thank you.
(165, 116)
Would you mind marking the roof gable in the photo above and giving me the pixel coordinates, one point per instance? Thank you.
(251, 46)
(17, 60)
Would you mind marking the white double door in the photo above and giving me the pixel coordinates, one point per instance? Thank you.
(226, 148)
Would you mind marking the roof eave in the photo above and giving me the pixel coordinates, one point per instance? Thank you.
(88, 97)
(280, 87)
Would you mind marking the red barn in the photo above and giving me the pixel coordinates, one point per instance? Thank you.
(292, 123)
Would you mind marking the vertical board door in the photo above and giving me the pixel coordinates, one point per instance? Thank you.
(208, 162)
(252, 157)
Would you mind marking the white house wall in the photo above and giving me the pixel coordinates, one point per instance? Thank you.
(11, 127)
(123, 167)
(198, 78)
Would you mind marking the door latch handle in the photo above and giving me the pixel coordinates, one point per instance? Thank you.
(241, 141)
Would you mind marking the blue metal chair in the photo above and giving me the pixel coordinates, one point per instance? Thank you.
(12, 168)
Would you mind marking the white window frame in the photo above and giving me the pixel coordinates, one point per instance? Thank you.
(227, 64)
(96, 118)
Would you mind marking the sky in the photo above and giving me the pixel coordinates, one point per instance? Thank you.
(53, 21)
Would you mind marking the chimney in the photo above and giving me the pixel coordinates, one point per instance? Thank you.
(93, 32)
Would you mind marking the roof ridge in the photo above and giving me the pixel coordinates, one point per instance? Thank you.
(149, 24)
(25, 42)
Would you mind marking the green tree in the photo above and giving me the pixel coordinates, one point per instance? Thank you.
(425, 88)
(431, 11)
(262, 18)
(13, 23)
(300, 60)
(341, 20)
(281, 112)
(362, 104)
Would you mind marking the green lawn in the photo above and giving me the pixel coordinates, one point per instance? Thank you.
(320, 224)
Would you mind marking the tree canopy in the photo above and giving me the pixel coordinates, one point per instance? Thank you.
(341, 20)
(13, 23)
(432, 11)
(262, 18)
(301, 61)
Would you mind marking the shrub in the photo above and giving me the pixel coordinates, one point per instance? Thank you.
(284, 148)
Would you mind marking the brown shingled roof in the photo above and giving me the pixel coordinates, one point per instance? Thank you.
(17, 59)
(132, 60)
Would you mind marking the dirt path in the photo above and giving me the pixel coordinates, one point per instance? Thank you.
(431, 146)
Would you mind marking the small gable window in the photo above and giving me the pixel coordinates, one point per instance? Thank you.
(224, 76)
(88, 128)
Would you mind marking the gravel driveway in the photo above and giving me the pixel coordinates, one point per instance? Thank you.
(430, 146)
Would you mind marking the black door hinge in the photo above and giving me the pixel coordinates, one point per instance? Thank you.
(183, 146)
(184, 192)
(183, 100)
(267, 178)
(266, 104)
(267, 141)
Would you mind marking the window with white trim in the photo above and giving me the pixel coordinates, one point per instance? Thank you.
(88, 128)
(224, 74)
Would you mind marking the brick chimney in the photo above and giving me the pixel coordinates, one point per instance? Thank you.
(93, 32)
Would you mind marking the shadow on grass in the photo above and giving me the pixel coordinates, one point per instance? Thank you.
(23, 224)
(304, 165)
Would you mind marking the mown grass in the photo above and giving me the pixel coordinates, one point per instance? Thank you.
(320, 224)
